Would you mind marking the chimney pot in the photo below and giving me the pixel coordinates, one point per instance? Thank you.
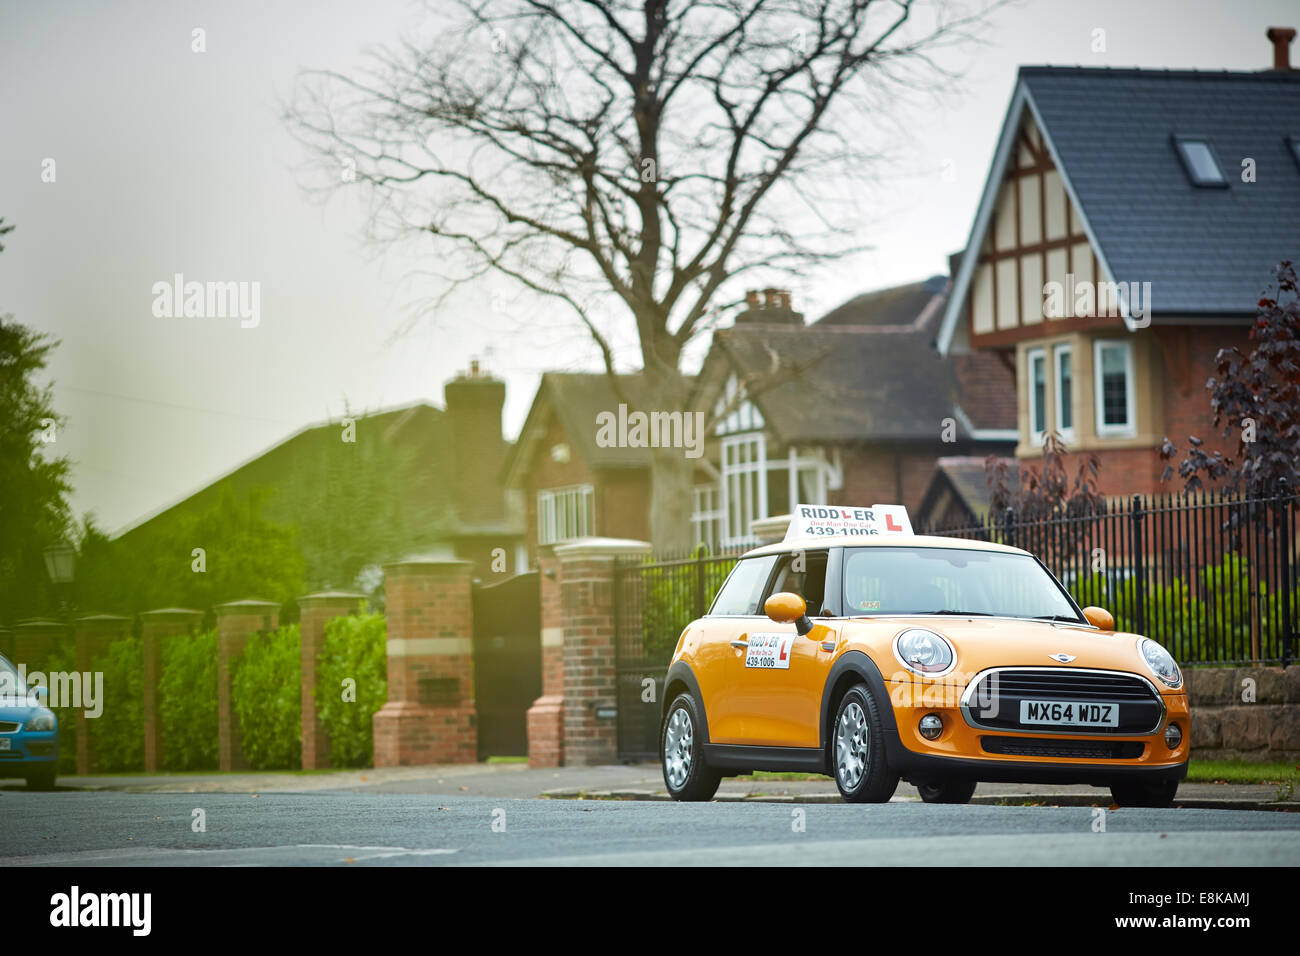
(769, 298)
(751, 298)
(1281, 38)
(473, 368)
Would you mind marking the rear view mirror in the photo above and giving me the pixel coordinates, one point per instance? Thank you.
(785, 607)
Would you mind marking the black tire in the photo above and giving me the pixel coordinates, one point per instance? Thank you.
(42, 779)
(876, 782)
(696, 780)
(947, 791)
(1144, 793)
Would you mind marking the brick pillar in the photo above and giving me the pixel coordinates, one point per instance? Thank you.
(430, 714)
(546, 716)
(587, 619)
(235, 621)
(34, 641)
(155, 627)
(317, 610)
(93, 635)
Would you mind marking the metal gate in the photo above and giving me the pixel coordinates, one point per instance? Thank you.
(653, 603)
(507, 662)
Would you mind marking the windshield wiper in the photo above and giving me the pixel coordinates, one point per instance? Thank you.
(1057, 617)
(962, 613)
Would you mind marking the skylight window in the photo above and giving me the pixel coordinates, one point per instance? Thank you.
(1198, 159)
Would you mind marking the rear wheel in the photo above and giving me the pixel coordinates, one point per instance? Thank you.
(1144, 793)
(42, 778)
(947, 791)
(861, 769)
(685, 772)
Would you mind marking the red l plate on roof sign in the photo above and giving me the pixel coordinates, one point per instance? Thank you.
(822, 521)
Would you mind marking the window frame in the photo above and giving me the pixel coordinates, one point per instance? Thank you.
(1061, 396)
(584, 515)
(1036, 435)
(1102, 429)
(1182, 142)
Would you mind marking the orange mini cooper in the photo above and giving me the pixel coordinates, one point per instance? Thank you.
(934, 660)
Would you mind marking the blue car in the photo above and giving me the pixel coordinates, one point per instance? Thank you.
(29, 731)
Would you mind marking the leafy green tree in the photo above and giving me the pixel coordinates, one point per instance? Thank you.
(33, 505)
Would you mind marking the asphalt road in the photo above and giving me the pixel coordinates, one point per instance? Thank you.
(327, 828)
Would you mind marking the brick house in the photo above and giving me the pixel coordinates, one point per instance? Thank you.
(570, 486)
(431, 474)
(867, 420)
(1127, 228)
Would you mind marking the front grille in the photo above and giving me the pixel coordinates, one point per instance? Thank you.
(993, 701)
(1062, 748)
(7, 726)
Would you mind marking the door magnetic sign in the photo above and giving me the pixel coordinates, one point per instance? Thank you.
(769, 651)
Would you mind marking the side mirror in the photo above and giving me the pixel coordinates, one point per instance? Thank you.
(785, 607)
(1099, 618)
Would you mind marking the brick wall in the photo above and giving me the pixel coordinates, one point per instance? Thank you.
(235, 622)
(318, 610)
(156, 627)
(34, 640)
(430, 716)
(546, 715)
(1228, 725)
(888, 474)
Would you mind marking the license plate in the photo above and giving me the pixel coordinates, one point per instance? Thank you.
(4, 743)
(1069, 713)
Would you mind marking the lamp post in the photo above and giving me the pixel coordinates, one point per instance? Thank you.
(61, 564)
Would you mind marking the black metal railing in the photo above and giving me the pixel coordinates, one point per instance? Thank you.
(1212, 576)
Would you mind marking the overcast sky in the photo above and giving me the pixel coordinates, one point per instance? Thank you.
(168, 161)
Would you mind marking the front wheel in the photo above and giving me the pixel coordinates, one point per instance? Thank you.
(1144, 793)
(861, 769)
(687, 775)
(947, 791)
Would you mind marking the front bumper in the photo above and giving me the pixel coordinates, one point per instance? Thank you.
(28, 752)
(969, 752)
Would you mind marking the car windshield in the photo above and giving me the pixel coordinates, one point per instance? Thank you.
(956, 581)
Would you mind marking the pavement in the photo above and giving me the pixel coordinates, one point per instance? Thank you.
(632, 782)
(339, 828)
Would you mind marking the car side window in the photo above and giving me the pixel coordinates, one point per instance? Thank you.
(743, 590)
(803, 573)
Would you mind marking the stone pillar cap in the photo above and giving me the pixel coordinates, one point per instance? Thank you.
(92, 618)
(324, 596)
(769, 530)
(178, 611)
(601, 547)
(39, 622)
(248, 604)
(428, 561)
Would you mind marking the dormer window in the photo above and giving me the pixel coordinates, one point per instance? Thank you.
(1199, 162)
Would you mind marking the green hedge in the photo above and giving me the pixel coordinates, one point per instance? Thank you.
(63, 658)
(118, 732)
(266, 689)
(351, 685)
(187, 702)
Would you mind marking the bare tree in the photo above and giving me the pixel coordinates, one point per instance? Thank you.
(627, 157)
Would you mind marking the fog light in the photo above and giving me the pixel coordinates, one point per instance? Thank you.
(1173, 736)
(931, 726)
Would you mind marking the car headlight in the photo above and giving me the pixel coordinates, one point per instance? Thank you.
(1161, 662)
(43, 721)
(924, 652)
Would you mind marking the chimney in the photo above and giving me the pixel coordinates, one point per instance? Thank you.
(1281, 38)
(769, 307)
(477, 449)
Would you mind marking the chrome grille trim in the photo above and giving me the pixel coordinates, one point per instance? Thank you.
(968, 714)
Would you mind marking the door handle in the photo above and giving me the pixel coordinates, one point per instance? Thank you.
(740, 645)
